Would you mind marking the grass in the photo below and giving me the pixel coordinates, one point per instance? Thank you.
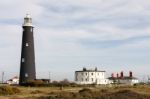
(118, 92)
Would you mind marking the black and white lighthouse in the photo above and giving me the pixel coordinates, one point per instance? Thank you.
(27, 62)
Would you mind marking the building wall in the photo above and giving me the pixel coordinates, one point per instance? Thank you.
(90, 77)
(126, 81)
(129, 81)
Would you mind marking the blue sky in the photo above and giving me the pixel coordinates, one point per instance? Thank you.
(112, 35)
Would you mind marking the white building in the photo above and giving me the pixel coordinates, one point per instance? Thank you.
(14, 80)
(90, 77)
(126, 80)
(129, 80)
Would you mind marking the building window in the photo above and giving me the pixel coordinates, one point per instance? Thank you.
(92, 79)
(86, 74)
(91, 73)
(27, 44)
(86, 79)
(82, 79)
(23, 60)
(82, 73)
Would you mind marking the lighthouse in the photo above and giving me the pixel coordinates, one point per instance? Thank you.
(27, 62)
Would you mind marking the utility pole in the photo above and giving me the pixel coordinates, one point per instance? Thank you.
(143, 79)
(49, 77)
(148, 79)
(2, 77)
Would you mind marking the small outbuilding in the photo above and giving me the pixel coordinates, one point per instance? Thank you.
(14, 80)
(126, 80)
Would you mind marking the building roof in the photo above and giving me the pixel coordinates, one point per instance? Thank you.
(122, 78)
(90, 70)
(16, 77)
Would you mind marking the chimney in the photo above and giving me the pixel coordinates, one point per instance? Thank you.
(95, 68)
(84, 69)
(112, 75)
(117, 75)
(121, 74)
(130, 74)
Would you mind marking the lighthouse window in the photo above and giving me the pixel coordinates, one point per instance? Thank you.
(27, 44)
(23, 60)
(26, 74)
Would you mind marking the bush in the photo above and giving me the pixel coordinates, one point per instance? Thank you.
(8, 90)
(85, 90)
(36, 92)
(86, 93)
(104, 90)
(34, 83)
(16, 90)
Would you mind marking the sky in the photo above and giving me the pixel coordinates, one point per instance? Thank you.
(112, 35)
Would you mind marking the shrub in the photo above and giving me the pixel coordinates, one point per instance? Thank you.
(36, 92)
(8, 90)
(103, 90)
(34, 83)
(85, 90)
(86, 93)
(16, 90)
